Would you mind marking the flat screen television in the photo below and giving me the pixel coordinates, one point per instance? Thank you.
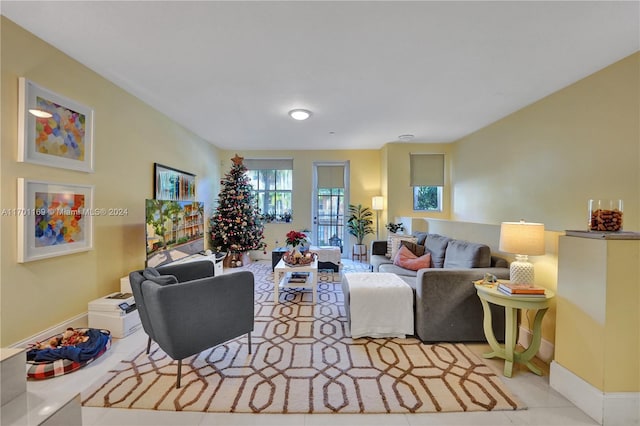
(174, 230)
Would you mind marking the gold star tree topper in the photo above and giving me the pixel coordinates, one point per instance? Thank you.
(237, 160)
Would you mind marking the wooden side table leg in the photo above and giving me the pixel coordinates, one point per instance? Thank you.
(488, 332)
(532, 350)
(511, 328)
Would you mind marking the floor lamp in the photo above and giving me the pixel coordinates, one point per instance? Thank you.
(377, 204)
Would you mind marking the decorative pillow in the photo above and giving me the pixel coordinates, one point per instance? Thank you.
(415, 248)
(152, 274)
(405, 259)
(421, 236)
(437, 246)
(463, 254)
(389, 244)
(393, 243)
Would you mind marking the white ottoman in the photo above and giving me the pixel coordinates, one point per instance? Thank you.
(378, 304)
(328, 257)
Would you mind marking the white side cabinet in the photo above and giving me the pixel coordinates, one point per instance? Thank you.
(597, 345)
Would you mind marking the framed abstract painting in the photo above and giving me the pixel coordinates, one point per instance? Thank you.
(173, 184)
(54, 219)
(53, 130)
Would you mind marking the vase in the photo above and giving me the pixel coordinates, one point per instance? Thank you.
(605, 215)
(295, 252)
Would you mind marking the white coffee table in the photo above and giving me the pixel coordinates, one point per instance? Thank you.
(281, 274)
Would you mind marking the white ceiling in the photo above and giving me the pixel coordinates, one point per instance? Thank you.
(369, 71)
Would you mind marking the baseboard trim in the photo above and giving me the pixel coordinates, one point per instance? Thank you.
(610, 409)
(546, 351)
(79, 321)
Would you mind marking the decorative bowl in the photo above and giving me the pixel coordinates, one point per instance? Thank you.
(290, 259)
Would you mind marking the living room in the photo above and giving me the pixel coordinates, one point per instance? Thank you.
(541, 163)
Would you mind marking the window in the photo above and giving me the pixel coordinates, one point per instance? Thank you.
(427, 180)
(272, 181)
(427, 198)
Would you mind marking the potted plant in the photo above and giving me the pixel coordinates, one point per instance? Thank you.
(394, 228)
(360, 224)
(286, 217)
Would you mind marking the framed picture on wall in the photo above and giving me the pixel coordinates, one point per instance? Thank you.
(173, 184)
(53, 130)
(54, 219)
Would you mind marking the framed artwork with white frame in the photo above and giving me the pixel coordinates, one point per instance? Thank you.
(54, 219)
(53, 130)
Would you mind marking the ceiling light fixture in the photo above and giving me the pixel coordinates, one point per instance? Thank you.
(300, 114)
(40, 113)
(406, 137)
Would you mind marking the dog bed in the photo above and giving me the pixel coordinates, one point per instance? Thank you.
(56, 361)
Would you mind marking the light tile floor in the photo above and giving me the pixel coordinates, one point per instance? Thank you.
(545, 406)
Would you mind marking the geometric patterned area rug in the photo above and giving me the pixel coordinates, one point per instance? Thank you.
(302, 362)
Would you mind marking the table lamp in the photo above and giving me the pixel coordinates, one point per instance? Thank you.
(523, 239)
(377, 204)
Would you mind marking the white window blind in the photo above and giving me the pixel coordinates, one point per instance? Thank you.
(427, 169)
(330, 176)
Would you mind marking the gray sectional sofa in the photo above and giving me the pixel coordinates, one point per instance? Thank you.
(446, 307)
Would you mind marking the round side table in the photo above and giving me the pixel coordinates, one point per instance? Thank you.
(491, 294)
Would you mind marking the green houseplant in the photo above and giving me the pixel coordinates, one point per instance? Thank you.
(360, 224)
(394, 227)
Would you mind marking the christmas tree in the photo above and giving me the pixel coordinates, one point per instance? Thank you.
(237, 226)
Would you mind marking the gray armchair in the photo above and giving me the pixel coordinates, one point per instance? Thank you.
(185, 309)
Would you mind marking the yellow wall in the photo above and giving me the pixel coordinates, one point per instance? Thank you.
(129, 137)
(544, 162)
(399, 193)
(364, 184)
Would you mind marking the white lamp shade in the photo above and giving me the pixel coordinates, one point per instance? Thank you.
(377, 203)
(522, 238)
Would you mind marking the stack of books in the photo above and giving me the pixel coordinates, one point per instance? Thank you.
(298, 277)
(521, 290)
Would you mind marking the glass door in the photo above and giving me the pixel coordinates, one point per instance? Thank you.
(330, 217)
(330, 195)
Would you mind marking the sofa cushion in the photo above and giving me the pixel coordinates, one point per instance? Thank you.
(415, 248)
(406, 259)
(463, 254)
(393, 243)
(437, 246)
(421, 236)
(398, 270)
(152, 274)
(498, 262)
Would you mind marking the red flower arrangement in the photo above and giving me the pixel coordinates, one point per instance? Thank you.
(294, 257)
(295, 238)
